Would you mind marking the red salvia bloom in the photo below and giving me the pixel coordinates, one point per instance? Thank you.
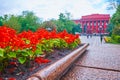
(40, 60)
(12, 78)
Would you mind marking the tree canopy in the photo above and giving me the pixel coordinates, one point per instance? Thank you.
(26, 21)
(29, 21)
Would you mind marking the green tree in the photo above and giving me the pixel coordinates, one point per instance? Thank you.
(110, 28)
(29, 21)
(77, 28)
(114, 25)
(12, 22)
(116, 17)
(116, 31)
(49, 25)
(113, 4)
(64, 22)
(1, 21)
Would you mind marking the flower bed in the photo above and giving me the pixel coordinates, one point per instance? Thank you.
(116, 40)
(107, 39)
(27, 49)
(57, 69)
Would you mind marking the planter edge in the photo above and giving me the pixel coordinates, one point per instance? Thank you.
(53, 71)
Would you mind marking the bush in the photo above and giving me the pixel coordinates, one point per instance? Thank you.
(116, 30)
(113, 36)
(107, 39)
(117, 39)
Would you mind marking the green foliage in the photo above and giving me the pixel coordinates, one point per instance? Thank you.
(116, 18)
(117, 39)
(12, 55)
(49, 45)
(114, 26)
(48, 25)
(12, 22)
(26, 21)
(113, 4)
(1, 52)
(64, 23)
(1, 19)
(77, 28)
(22, 60)
(110, 28)
(74, 44)
(29, 21)
(116, 34)
(39, 50)
(108, 39)
(116, 30)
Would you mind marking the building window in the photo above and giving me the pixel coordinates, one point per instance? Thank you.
(102, 23)
(98, 23)
(88, 24)
(106, 22)
(94, 23)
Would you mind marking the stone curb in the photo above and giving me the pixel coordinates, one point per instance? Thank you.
(54, 70)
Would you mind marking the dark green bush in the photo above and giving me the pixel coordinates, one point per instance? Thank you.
(113, 36)
(117, 39)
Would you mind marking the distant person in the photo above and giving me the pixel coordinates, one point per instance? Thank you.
(101, 37)
(91, 35)
(87, 35)
(95, 34)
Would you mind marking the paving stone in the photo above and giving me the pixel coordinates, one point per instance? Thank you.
(100, 62)
(103, 56)
(81, 73)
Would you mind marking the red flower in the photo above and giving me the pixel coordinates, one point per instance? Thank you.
(40, 60)
(1, 78)
(13, 63)
(12, 78)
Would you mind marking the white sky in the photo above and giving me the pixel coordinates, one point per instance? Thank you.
(48, 9)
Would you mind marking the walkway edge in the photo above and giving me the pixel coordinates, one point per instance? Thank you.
(53, 71)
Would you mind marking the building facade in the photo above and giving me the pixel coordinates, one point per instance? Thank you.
(95, 23)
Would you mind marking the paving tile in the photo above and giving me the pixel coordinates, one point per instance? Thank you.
(104, 57)
(81, 73)
(100, 62)
(101, 55)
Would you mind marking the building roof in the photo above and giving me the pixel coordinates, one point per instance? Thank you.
(96, 16)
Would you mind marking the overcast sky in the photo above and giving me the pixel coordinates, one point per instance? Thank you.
(48, 9)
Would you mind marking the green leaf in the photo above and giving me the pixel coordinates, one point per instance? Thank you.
(38, 52)
(25, 52)
(12, 54)
(1, 52)
(18, 50)
(27, 41)
(30, 53)
(22, 60)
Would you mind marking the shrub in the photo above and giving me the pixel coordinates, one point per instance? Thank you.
(116, 30)
(117, 39)
(107, 39)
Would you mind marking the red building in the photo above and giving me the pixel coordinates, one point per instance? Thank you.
(95, 23)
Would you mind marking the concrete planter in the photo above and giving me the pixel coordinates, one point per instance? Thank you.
(54, 71)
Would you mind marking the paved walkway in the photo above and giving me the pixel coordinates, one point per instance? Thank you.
(100, 62)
